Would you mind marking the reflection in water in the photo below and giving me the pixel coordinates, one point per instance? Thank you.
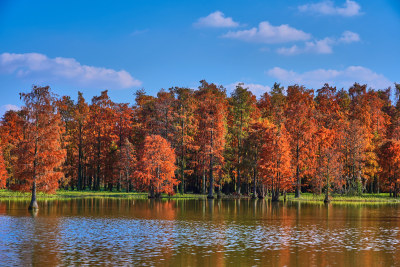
(198, 232)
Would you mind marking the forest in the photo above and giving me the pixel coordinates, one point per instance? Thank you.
(294, 139)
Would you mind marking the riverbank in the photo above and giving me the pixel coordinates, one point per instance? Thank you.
(64, 194)
(376, 198)
(305, 197)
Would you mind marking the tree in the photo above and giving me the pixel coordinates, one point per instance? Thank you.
(301, 126)
(186, 128)
(326, 141)
(252, 148)
(127, 162)
(328, 164)
(11, 133)
(123, 130)
(274, 163)
(39, 153)
(81, 116)
(210, 139)
(390, 162)
(65, 107)
(3, 172)
(156, 168)
(102, 120)
(242, 105)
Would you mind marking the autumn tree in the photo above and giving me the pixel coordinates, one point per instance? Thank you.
(127, 163)
(156, 167)
(101, 121)
(79, 135)
(274, 163)
(39, 153)
(123, 129)
(65, 107)
(186, 127)
(210, 138)
(251, 153)
(242, 104)
(11, 133)
(143, 118)
(300, 124)
(326, 141)
(390, 162)
(357, 138)
(3, 172)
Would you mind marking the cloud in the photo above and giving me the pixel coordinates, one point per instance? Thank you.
(5, 108)
(324, 46)
(268, 34)
(256, 89)
(216, 20)
(340, 78)
(349, 37)
(350, 8)
(41, 69)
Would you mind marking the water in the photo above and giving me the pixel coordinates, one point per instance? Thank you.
(119, 232)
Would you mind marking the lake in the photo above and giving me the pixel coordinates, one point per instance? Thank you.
(115, 231)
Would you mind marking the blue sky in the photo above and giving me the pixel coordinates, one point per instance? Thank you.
(127, 45)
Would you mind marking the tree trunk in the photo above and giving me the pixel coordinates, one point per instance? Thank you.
(298, 179)
(204, 179)
(33, 205)
(254, 196)
(80, 159)
(327, 198)
(211, 186)
(275, 195)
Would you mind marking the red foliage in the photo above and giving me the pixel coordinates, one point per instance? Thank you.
(156, 168)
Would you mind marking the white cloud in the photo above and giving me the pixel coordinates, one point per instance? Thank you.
(324, 46)
(349, 8)
(38, 68)
(267, 33)
(340, 78)
(256, 89)
(216, 20)
(349, 37)
(5, 108)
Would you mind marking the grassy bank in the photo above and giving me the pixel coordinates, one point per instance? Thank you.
(305, 197)
(381, 198)
(63, 194)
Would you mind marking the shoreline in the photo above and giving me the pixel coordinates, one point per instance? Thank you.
(304, 198)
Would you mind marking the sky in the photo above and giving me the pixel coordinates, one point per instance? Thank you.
(123, 46)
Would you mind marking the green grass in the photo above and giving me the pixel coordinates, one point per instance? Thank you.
(66, 194)
(305, 197)
(381, 198)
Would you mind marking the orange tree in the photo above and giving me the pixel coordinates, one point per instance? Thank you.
(156, 167)
(3, 172)
(39, 153)
(274, 163)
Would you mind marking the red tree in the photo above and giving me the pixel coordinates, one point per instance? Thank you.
(3, 172)
(210, 139)
(274, 163)
(39, 153)
(156, 168)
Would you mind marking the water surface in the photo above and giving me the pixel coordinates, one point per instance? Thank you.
(110, 231)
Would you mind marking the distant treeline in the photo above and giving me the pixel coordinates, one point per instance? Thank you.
(185, 140)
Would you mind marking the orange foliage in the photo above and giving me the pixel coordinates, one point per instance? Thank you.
(39, 153)
(274, 163)
(3, 172)
(156, 168)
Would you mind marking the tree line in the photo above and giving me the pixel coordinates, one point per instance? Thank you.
(291, 139)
